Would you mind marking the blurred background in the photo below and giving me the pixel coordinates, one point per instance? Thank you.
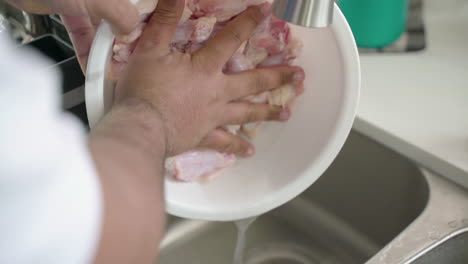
(47, 34)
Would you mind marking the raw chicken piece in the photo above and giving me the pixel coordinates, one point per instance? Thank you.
(202, 29)
(274, 60)
(251, 129)
(267, 46)
(290, 53)
(198, 165)
(272, 35)
(233, 129)
(196, 30)
(223, 10)
(261, 98)
(256, 55)
(270, 45)
(238, 63)
(293, 49)
(189, 32)
(281, 96)
(122, 51)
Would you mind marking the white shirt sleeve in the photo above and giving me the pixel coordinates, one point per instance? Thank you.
(50, 198)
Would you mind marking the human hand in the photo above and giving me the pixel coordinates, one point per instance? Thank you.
(191, 93)
(81, 18)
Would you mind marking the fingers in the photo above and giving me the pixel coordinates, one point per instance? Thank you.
(224, 44)
(245, 112)
(225, 142)
(259, 80)
(81, 32)
(162, 25)
(121, 14)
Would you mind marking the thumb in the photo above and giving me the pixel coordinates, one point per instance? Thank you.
(121, 14)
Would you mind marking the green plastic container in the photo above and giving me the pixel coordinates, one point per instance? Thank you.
(375, 23)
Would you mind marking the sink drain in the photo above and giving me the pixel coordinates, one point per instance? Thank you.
(285, 253)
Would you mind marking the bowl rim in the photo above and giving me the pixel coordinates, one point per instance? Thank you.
(94, 98)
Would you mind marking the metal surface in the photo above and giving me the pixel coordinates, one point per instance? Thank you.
(453, 251)
(371, 205)
(24, 26)
(307, 13)
(445, 217)
(47, 34)
(360, 204)
(55, 49)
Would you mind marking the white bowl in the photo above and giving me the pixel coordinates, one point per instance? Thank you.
(289, 157)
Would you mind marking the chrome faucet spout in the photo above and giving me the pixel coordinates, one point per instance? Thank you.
(307, 13)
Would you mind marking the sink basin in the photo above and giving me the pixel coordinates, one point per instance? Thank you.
(364, 200)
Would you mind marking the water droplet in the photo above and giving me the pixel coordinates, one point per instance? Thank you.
(453, 224)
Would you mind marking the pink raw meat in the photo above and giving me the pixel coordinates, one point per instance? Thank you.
(272, 35)
(122, 51)
(198, 165)
(239, 62)
(270, 45)
(223, 10)
(193, 31)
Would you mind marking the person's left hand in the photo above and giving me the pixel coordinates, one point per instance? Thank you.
(81, 18)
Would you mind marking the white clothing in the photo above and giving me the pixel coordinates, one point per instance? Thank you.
(50, 197)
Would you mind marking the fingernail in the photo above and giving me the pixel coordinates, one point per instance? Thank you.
(250, 151)
(284, 115)
(298, 76)
(265, 8)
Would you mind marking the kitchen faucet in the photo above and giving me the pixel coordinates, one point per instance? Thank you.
(307, 13)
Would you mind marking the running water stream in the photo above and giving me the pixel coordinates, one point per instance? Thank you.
(242, 226)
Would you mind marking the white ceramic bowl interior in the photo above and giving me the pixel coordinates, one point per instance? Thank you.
(290, 157)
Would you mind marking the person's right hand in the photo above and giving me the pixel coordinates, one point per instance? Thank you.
(191, 93)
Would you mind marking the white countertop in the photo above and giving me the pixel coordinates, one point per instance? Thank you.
(417, 103)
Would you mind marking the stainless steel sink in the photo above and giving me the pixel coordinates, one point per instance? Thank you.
(452, 251)
(438, 235)
(365, 199)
